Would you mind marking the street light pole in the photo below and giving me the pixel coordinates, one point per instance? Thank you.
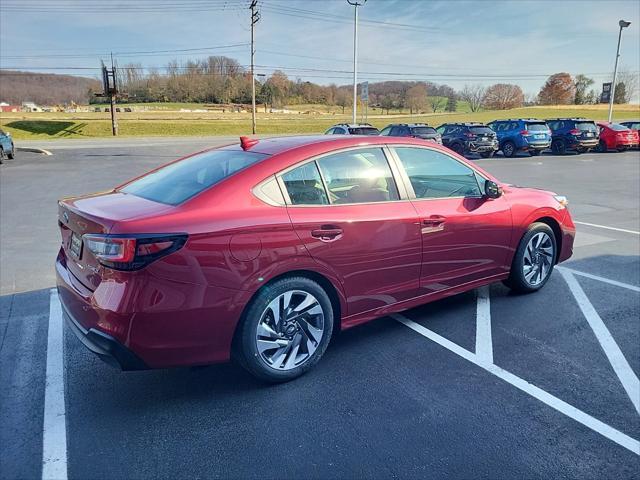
(622, 25)
(255, 16)
(355, 4)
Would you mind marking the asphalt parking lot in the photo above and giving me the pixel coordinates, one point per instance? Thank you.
(482, 385)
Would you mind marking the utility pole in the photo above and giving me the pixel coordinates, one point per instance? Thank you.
(356, 4)
(113, 91)
(255, 16)
(622, 25)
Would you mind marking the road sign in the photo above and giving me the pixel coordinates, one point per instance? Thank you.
(364, 91)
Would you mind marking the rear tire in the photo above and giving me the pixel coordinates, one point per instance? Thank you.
(534, 259)
(280, 349)
(508, 149)
(558, 147)
(623, 149)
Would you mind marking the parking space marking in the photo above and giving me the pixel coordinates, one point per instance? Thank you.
(611, 349)
(484, 342)
(595, 225)
(54, 433)
(600, 279)
(554, 402)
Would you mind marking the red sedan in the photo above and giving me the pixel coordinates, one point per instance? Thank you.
(261, 250)
(614, 136)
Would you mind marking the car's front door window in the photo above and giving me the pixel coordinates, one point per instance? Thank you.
(435, 175)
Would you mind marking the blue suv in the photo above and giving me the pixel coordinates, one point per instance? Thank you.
(522, 135)
(7, 148)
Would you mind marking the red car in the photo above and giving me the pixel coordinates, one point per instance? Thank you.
(614, 136)
(262, 250)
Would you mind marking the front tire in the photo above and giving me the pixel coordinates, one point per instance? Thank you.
(1, 155)
(458, 148)
(534, 259)
(602, 147)
(12, 154)
(558, 147)
(285, 330)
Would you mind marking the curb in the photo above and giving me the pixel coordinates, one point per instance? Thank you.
(34, 150)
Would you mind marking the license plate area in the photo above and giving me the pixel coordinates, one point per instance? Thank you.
(75, 245)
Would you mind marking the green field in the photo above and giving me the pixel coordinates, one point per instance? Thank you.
(171, 122)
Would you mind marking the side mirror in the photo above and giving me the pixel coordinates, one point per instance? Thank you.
(492, 190)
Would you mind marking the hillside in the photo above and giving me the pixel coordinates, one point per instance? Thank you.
(45, 88)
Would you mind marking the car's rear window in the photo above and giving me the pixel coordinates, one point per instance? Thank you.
(480, 130)
(364, 131)
(181, 180)
(617, 127)
(586, 126)
(423, 131)
(537, 127)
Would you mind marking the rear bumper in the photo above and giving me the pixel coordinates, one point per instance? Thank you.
(482, 147)
(586, 144)
(107, 348)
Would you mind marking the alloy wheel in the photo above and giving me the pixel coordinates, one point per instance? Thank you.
(290, 329)
(538, 258)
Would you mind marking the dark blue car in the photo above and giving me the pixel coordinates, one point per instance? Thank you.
(522, 135)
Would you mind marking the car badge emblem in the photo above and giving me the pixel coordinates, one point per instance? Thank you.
(65, 216)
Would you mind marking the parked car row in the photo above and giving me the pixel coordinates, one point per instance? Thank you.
(530, 135)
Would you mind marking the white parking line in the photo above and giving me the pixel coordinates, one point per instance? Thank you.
(600, 279)
(484, 343)
(595, 225)
(619, 363)
(546, 398)
(54, 433)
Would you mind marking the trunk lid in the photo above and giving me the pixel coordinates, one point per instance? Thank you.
(96, 213)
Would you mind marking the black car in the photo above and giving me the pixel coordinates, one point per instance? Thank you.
(578, 134)
(415, 130)
(468, 138)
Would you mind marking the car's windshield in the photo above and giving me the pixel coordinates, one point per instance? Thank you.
(364, 131)
(181, 180)
(586, 126)
(537, 127)
(423, 131)
(480, 130)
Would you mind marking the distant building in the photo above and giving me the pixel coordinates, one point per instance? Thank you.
(30, 107)
(5, 107)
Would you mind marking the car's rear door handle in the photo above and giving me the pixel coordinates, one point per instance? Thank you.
(327, 233)
(434, 221)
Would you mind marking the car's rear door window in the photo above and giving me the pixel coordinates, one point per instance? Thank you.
(304, 185)
(617, 127)
(435, 175)
(179, 181)
(358, 176)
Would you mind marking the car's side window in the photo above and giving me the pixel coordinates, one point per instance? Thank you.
(441, 129)
(395, 131)
(385, 131)
(435, 175)
(358, 176)
(304, 185)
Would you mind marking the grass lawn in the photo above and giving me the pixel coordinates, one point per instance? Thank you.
(43, 125)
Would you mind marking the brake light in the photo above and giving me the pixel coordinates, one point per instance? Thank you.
(575, 132)
(524, 133)
(124, 252)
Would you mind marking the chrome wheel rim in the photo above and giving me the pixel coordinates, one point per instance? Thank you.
(290, 330)
(538, 259)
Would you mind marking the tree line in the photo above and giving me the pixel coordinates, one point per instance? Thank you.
(222, 80)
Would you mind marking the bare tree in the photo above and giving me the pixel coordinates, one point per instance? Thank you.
(503, 96)
(473, 95)
(630, 81)
(416, 98)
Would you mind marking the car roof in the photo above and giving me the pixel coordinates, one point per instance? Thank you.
(408, 125)
(352, 125)
(574, 119)
(517, 120)
(277, 145)
(466, 124)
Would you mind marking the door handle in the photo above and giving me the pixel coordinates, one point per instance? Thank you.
(327, 233)
(434, 221)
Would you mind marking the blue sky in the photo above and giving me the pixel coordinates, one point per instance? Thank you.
(453, 42)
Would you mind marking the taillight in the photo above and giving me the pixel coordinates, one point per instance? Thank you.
(470, 135)
(524, 133)
(132, 252)
(575, 132)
